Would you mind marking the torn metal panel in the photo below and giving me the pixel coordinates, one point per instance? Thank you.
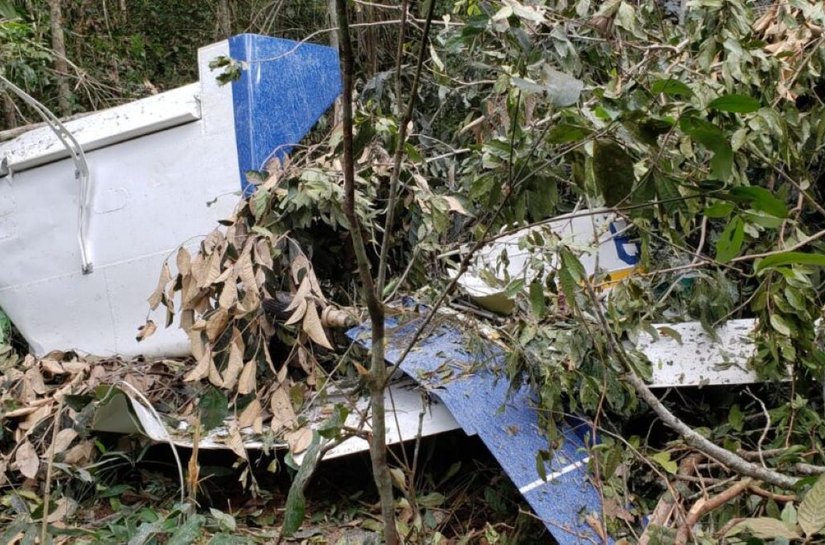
(125, 413)
(687, 355)
(468, 384)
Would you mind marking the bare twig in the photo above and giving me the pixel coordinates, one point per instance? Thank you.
(44, 528)
(402, 139)
(706, 505)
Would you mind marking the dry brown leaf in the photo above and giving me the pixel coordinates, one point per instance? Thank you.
(198, 270)
(224, 276)
(52, 367)
(146, 330)
(79, 454)
(26, 460)
(196, 344)
(235, 364)
(263, 254)
(300, 312)
(455, 205)
(299, 439)
(213, 270)
(303, 291)
(235, 442)
(36, 417)
(190, 293)
(229, 293)
(250, 413)
(216, 324)
(246, 383)
(283, 414)
(63, 440)
(201, 370)
(64, 508)
(301, 263)
(184, 261)
(312, 327)
(245, 270)
(74, 367)
(215, 377)
(157, 295)
(34, 378)
(22, 411)
(251, 301)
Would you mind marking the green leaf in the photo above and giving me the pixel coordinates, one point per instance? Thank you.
(189, 532)
(730, 241)
(564, 133)
(613, 170)
(761, 199)
(735, 418)
(295, 507)
(572, 264)
(790, 258)
(780, 325)
(712, 137)
(7, 10)
(812, 509)
(672, 87)
(568, 287)
(740, 104)
(663, 459)
(213, 408)
(537, 299)
(431, 500)
(514, 288)
(225, 521)
(719, 210)
(764, 528)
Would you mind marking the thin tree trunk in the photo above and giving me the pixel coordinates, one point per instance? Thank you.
(378, 366)
(333, 42)
(9, 115)
(224, 20)
(61, 65)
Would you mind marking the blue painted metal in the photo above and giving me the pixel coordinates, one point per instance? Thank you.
(469, 384)
(283, 90)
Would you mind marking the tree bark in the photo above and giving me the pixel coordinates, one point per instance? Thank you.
(332, 14)
(61, 64)
(378, 366)
(223, 20)
(9, 116)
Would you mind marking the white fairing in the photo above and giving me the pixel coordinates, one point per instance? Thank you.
(163, 171)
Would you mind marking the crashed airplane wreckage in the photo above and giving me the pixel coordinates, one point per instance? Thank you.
(91, 210)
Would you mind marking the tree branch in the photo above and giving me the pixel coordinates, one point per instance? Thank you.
(378, 367)
(392, 201)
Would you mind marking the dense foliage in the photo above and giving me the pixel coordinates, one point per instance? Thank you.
(703, 127)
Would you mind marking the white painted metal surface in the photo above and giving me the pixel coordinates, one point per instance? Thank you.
(586, 233)
(404, 405)
(153, 190)
(152, 114)
(692, 357)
